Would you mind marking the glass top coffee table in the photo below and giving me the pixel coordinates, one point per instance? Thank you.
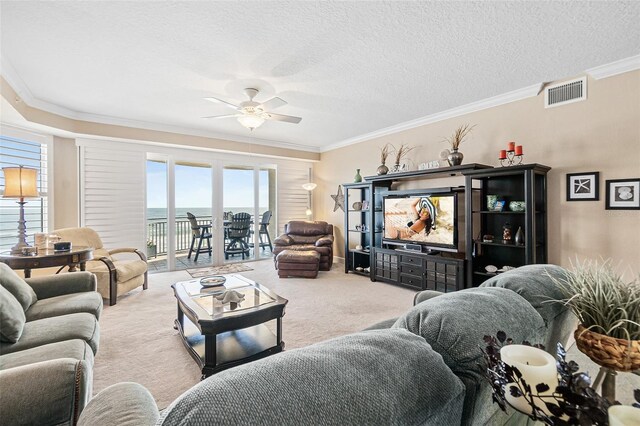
(222, 335)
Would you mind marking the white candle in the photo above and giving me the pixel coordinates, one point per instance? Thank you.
(624, 415)
(536, 366)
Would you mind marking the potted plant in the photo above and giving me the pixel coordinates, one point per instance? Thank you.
(152, 249)
(455, 157)
(608, 311)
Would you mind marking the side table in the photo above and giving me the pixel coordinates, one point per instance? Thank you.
(74, 258)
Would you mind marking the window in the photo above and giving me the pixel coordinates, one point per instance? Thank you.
(28, 150)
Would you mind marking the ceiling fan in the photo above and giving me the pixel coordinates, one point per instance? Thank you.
(253, 114)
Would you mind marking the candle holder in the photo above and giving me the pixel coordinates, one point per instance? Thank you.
(512, 156)
(572, 399)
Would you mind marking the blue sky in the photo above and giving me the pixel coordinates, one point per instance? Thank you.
(193, 187)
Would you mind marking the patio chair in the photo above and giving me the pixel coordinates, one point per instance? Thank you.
(200, 233)
(264, 230)
(237, 234)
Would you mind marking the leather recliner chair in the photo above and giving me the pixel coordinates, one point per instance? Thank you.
(307, 235)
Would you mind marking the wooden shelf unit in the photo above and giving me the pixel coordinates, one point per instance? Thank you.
(526, 183)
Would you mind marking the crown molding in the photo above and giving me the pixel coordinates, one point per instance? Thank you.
(631, 63)
(505, 98)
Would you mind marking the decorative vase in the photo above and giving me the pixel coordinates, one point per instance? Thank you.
(609, 352)
(382, 169)
(455, 158)
(519, 238)
(357, 178)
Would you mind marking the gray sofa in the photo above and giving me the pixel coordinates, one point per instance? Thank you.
(424, 368)
(49, 335)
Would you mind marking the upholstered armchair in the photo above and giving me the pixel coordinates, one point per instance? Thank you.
(116, 276)
(307, 235)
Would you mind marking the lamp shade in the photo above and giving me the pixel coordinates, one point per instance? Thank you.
(20, 182)
(309, 186)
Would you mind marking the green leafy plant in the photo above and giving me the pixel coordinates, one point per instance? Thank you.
(601, 300)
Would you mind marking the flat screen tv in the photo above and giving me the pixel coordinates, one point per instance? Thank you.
(427, 219)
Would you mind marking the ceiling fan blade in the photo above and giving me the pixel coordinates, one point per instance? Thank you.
(220, 101)
(222, 116)
(273, 103)
(286, 118)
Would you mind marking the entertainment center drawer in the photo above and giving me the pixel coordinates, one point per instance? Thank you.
(410, 269)
(411, 280)
(412, 260)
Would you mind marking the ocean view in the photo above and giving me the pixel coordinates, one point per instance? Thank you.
(159, 213)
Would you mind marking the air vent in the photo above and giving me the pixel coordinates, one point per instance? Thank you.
(565, 93)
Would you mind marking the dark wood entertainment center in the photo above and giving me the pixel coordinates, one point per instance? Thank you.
(447, 271)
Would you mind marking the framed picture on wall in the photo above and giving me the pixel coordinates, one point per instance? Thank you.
(623, 194)
(583, 186)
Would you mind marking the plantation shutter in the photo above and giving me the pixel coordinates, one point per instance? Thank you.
(293, 200)
(18, 148)
(112, 193)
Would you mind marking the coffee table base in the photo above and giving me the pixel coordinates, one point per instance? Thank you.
(214, 353)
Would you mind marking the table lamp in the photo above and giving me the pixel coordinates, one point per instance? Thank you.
(20, 182)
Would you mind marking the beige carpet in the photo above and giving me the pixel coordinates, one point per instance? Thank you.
(138, 342)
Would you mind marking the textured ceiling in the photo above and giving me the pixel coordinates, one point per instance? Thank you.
(347, 68)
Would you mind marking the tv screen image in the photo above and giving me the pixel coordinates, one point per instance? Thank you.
(428, 219)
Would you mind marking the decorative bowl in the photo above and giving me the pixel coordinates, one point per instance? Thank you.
(517, 206)
(357, 206)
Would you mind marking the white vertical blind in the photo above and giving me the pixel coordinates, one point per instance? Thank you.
(112, 193)
(29, 151)
(293, 200)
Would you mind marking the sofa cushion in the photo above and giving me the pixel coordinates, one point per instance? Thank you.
(89, 302)
(12, 317)
(76, 349)
(17, 286)
(122, 404)
(40, 332)
(455, 323)
(536, 284)
(371, 377)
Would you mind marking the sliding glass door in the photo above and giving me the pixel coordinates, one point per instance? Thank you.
(206, 213)
(192, 215)
(249, 212)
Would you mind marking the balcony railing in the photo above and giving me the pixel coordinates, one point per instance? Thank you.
(157, 233)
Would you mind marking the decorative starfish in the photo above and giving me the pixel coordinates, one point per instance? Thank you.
(338, 199)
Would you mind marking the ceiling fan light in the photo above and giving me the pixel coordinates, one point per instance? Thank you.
(251, 121)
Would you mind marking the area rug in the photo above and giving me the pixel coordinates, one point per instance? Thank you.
(219, 270)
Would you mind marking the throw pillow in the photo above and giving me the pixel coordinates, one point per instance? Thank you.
(12, 317)
(455, 323)
(17, 286)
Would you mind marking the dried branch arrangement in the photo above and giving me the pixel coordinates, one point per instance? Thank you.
(459, 135)
(384, 153)
(402, 152)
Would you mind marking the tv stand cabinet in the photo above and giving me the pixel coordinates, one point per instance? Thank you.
(418, 270)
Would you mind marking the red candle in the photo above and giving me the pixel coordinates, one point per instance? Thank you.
(519, 150)
(512, 146)
(503, 154)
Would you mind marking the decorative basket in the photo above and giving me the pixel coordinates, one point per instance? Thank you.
(609, 352)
